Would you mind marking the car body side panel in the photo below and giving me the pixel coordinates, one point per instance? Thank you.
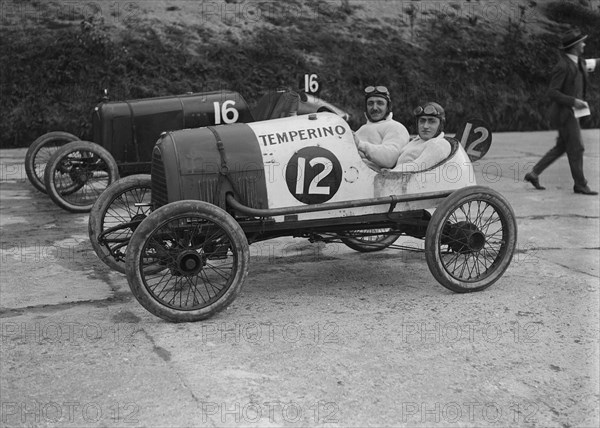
(129, 129)
(313, 159)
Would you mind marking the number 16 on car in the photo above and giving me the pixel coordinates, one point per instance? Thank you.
(226, 113)
(310, 84)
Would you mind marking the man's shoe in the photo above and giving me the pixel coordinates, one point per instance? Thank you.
(584, 190)
(534, 180)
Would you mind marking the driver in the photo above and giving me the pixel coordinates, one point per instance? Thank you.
(381, 139)
(429, 147)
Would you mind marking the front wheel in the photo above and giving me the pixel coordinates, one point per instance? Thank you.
(40, 151)
(471, 239)
(115, 216)
(187, 261)
(78, 173)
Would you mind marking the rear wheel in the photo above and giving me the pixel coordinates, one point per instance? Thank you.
(187, 261)
(471, 239)
(115, 216)
(78, 173)
(40, 151)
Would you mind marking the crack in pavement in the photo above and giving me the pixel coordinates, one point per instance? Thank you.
(533, 247)
(571, 268)
(121, 297)
(555, 216)
(165, 355)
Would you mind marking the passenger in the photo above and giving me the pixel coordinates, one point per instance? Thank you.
(430, 147)
(381, 139)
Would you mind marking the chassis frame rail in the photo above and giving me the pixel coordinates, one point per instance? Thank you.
(391, 200)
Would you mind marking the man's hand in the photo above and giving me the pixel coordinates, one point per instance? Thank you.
(579, 104)
(591, 64)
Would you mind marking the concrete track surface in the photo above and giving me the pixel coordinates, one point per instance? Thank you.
(320, 335)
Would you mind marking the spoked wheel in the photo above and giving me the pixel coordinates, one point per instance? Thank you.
(78, 173)
(187, 261)
(40, 151)
(115, 215)
(369, 240)
(471, 239)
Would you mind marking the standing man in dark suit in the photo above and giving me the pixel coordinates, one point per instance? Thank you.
(567, 94)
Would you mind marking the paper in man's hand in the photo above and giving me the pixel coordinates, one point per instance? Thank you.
(581, 112)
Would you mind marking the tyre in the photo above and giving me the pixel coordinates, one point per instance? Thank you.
(78, 173)
(369, 240)
(115, 215)
(40, 151)
(471, 239)
(187, 261)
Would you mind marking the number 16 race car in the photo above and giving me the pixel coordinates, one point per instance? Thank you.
(217, 189)
(75, 173)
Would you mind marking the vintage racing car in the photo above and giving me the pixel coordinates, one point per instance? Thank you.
(74, 173)
(217, 189)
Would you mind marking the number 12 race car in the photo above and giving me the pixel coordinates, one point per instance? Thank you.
(215, 190)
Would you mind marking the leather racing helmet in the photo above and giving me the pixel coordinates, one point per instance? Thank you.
(381, 92)
(431, 109)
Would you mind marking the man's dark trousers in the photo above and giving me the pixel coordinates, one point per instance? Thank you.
(569, 141)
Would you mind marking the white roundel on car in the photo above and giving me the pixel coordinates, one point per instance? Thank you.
(311, 161)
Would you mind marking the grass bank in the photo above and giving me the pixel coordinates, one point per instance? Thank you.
(55, 65)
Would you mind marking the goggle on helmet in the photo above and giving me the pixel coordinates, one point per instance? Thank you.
(431, 109)
(378, 91)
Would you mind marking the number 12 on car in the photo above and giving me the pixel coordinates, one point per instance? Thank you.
(313, 175)
(314, 188)
(475, 136)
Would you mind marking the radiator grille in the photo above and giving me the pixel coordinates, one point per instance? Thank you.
(159, 180)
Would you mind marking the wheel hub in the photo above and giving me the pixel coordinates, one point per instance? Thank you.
(190, 263)
(81, 176)
(465, 237)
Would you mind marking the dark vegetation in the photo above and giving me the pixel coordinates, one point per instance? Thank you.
(52, 77)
